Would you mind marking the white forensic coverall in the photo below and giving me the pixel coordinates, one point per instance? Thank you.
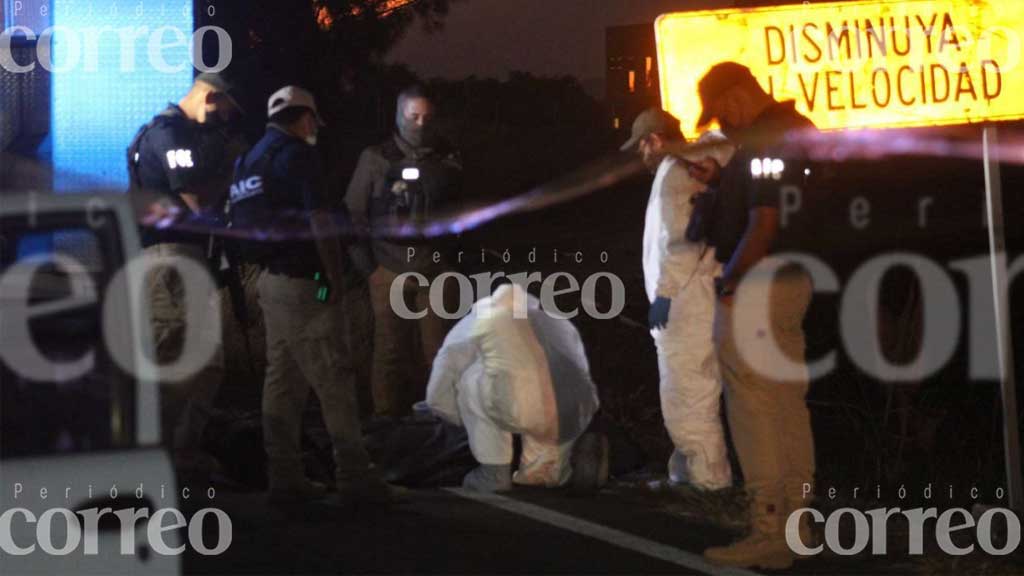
(510, 368)
(683, 271)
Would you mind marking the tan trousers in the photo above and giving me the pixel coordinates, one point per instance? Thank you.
(185, 406)
(306, 349)
(399, 373)
(358, 330)
(766, 404)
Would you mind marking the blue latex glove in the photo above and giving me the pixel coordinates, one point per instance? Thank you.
(657, 317)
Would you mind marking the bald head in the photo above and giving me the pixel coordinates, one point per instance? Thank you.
(207, 103)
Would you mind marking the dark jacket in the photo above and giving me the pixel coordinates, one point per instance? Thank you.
(291, 187)
(171, 155)
(744, 186)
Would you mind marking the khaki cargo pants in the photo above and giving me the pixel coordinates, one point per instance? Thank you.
(400, 367)
(306, 348)
(760, 344)
(185, 405)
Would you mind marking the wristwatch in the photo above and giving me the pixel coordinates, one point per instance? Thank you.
(721, 290)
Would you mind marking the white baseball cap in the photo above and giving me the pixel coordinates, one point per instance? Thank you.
(292, 97)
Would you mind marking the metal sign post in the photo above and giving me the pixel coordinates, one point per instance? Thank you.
(1004, 336)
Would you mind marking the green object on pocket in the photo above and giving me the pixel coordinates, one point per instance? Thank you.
(323, 289)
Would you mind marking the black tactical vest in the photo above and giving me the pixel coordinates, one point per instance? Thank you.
(254, 198)
(415, 188)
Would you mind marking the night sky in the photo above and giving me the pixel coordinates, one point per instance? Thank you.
(489, 38)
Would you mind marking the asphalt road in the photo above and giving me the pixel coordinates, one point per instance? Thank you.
(454, 532)
(445, 532)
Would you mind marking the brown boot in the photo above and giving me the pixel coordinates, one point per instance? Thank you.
(765, 547)
(807, 535)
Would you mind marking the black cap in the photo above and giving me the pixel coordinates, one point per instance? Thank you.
(720, 78)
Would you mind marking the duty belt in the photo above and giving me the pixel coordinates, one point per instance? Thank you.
(290, 271)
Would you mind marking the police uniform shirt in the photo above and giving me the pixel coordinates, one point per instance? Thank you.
(174, 155)
(297, 189)
(757, 175)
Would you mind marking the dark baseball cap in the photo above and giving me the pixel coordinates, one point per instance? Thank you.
(719, 78)
(652, 121)
(223, 85)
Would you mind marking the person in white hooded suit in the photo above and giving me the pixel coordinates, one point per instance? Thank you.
(510, 368)
(679, 279)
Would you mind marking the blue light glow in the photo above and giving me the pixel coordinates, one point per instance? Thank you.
(107, 83)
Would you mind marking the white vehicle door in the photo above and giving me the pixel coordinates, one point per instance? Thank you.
(79, 434)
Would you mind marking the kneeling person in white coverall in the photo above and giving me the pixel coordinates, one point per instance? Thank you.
(679, 279)
(510, 368)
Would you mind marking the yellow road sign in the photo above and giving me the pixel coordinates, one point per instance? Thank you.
(857, 64)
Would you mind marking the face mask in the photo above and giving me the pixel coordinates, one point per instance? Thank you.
(214, 120)
(411, 133)
(416, 135)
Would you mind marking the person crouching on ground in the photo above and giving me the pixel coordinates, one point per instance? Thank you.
(509, 368)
